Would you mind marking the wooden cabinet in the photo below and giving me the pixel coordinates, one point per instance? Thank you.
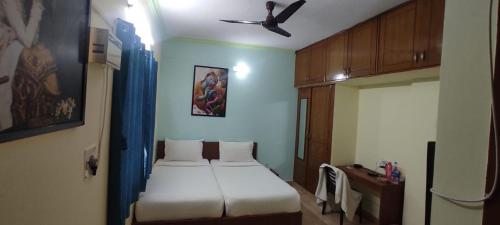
(353, 52)
(396, 40)
(318, 62)
(315, 147)
(411, 36)
(362, 53)
(302, 62)
(404, 38)
(310, 64)
(336, 56)
(429, 32)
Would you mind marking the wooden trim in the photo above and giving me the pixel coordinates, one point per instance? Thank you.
(492, 206)
(372, 75)
(210, 150)
(268, 219)
(202, 221)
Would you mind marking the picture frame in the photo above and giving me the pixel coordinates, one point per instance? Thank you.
(44, 87)
(209, 94)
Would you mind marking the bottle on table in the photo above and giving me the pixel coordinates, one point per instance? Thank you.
(388, 170)
(396, 174)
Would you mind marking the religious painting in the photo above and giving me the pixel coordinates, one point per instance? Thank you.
(209, 91)
(43, 54)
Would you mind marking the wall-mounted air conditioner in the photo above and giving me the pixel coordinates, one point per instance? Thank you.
(104, 48)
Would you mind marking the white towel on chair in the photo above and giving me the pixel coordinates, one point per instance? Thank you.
(347, 198)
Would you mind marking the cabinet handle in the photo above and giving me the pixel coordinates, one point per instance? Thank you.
(422, 56)
(415, 57)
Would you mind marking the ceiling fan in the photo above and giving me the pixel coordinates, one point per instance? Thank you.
(271, 22)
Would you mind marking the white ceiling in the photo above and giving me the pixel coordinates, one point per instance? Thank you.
(316, 20)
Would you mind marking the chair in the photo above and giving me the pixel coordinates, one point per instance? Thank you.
(331, 185)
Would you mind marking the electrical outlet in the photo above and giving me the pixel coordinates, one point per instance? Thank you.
(87, 153)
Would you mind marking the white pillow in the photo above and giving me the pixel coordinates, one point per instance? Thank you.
(235, 151)
(183, 150)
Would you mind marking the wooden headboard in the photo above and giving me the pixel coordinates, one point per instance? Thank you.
(210, 150)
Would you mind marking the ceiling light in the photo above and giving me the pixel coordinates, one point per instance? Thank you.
(340, 77)
(131, 3)
(137, 15)
(242, 70)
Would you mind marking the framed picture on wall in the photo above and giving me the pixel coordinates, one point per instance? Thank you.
(43, 55)
(209, 91)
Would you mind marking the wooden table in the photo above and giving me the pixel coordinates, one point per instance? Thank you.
(391, 195)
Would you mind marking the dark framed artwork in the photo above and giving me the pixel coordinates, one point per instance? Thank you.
(43, 55)
(209, 91)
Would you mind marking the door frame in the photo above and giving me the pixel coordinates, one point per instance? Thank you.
(492, 206)
(303, 93)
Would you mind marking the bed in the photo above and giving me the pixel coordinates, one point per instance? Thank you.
(249, 188)
(174, 193)
(264, 217)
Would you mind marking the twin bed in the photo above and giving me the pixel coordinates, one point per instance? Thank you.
(211, 191)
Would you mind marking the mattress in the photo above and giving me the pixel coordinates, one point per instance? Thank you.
(251, 189)
(178, 191)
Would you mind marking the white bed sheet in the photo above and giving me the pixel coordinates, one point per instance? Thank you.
(251, 189)
(180, 190)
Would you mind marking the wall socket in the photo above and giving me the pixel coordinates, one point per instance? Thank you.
(87, 153)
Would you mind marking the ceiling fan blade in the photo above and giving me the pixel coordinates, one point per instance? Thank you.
(289, 11)
(278, 30)
(243, 22)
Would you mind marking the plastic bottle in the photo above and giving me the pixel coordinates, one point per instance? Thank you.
(388, 170)
(396, 174)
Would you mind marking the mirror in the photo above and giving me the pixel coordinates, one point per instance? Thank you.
(302, 128)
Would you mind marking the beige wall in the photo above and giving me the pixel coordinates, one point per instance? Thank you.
(41, 178)
(395, 124)
(464, 112)
(345, 124)
(391, 117)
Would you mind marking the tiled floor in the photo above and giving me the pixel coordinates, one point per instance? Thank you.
(311, 212)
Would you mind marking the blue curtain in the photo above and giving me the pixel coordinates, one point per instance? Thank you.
(132, 124)
(150, 110)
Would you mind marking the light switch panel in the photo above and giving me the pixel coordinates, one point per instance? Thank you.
(87, 153)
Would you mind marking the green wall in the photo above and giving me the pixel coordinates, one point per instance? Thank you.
(261, 107)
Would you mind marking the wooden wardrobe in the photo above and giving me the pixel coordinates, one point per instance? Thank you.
(314, 133)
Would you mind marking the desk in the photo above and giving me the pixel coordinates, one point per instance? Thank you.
(391, 195)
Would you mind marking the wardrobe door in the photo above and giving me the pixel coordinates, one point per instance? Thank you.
(363, 48)
(320, 133)
(397, 31)
(302, 136)
(336, 57)
(302, 65)
(429, 32)
(318, 63)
